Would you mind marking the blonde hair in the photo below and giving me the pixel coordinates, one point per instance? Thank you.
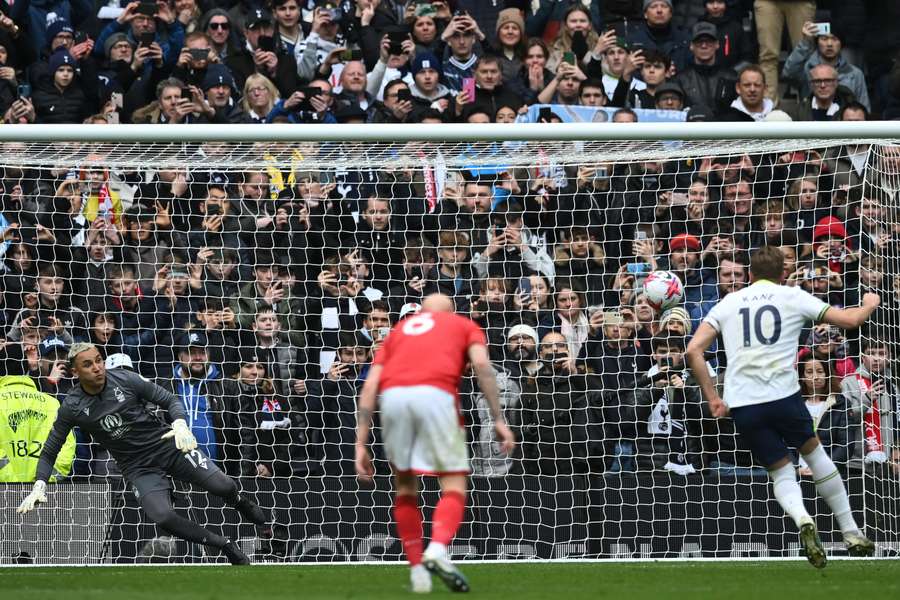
(254, 80)
(76, 349)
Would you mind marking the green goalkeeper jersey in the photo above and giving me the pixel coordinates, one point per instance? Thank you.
(26, 418)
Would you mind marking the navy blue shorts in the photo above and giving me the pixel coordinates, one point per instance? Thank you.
(770, 428)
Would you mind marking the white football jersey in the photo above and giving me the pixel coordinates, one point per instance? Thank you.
(760, 327)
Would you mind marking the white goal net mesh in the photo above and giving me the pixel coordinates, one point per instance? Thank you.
(256, 280)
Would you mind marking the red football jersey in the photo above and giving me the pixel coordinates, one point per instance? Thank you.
(428, 349)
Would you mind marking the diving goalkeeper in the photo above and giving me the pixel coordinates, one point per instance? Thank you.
(112, 407)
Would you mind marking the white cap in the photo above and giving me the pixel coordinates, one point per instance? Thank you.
(410, 308)
(522, 329)
(115, 361)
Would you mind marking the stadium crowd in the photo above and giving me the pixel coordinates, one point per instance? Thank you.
(259, 296)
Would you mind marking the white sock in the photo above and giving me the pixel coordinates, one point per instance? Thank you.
(789, 494)
(436, 547)
(831, 487)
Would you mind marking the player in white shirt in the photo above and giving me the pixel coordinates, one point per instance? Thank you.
(760, 327)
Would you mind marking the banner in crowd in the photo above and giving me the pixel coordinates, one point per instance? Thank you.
(569, 113)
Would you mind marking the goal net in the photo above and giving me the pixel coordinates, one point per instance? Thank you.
(255, 280)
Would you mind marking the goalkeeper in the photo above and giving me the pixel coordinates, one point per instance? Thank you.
(112, 407)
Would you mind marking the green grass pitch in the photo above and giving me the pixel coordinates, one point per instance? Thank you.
(619, 581)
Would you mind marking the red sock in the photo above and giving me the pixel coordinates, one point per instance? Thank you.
(448, 515)
(409, 527)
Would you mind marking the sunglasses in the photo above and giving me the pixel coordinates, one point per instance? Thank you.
(224, 26)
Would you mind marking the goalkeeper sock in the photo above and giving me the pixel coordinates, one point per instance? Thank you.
(830, 486)
(788, 493)
(448, 515)
(409, 527)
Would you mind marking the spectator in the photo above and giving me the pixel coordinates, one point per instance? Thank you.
(577, 36)
(52, 377)
(285, 365)
(771, 16)
(559, 426)
(670, 96)
(198, 384)
(737, 47)
(331, 404)
(671, 406)
(262, 56)
(534, 75)
(168, 32)
(827, 97)
(872, 398)
(426, 87)
(260, 420)
(815, 50)
(752, 102)
(658, 32)
(653, 67)
(216, 23)
(705, 82)
(461, 36)
(511, 44)
(513, 250)
(259, 98)
(829, 411)
(267, 289)
(62, 96)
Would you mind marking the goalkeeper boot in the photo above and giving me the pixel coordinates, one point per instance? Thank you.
(234, 554)
(250, 511)
(420, 580)
(811, 545)
(439, 564)
(858, 544)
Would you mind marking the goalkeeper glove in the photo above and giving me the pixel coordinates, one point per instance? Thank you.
(37, 496)
(184, 439)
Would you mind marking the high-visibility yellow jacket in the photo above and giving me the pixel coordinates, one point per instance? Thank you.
(26, 418)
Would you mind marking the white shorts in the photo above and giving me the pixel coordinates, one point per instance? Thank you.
(422, 431)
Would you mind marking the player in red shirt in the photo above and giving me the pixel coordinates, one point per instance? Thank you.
(416, 373)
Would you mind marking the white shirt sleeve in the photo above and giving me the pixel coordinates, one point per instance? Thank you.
(714, 317)
(808, 305)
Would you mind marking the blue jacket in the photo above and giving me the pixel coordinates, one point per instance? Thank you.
(194, 396)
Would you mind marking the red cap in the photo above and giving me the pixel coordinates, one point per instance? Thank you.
(829, 226)
(684, 240)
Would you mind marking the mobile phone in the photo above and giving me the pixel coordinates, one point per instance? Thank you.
(545, 115)
(147, 38)
(266, 43)
(823, 28)
(601, 173)
(640, 235)
(461, 13)
(383, 332)
(679, 199)
(326, 177)
(613, 318)
(116, 99)
(468, 85)
(199, 53)
(404, 95)
(525, 285)
(637, 268)
(569, 57)
(148, 8)
(352, 54)
(309, 92)
(417, 272)
(396, 41)
(24, 90)
(213, 210)
(80, 37)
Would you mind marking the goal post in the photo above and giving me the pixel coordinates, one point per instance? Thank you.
(254, 270)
